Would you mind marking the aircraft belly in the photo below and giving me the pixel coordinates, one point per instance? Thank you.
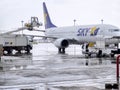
(87, 39)
(95, 39)
(111, 41)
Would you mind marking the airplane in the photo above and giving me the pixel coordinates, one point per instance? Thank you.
(86, 35)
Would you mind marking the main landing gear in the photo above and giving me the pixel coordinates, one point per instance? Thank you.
(99, 54)
(61, 50)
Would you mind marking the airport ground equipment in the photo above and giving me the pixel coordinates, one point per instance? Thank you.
(34, 23)
(19, 42)
(114, 85)
(113, 52)
(28, 26)
(117, 69)
(15, 42)
(1, 51)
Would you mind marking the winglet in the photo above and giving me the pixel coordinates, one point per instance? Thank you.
(47, 20)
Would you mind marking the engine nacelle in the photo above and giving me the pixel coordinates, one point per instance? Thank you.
(61, 43)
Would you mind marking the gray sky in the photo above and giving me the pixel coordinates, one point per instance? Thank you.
(62, 12)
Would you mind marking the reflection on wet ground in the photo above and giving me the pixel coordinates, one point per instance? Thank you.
(44, 65)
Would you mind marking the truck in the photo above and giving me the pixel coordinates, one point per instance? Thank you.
(16, 42)
(19, 42)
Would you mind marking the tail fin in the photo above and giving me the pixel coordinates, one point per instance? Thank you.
(47, 21)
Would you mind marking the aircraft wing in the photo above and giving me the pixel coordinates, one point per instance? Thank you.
(40, 36)
(73, 41)
(38, 30)
(17, 30)
(20, 29)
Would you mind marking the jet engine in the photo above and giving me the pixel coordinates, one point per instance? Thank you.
(61, 43)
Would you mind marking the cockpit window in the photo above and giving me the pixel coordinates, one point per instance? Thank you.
(114, 30)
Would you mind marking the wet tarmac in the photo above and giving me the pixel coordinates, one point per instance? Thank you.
(44, 68)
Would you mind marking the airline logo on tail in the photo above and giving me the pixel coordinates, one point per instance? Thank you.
(45, 15)
(85, 31)
(47, 21)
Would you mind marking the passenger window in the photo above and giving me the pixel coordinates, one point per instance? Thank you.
(114, 30)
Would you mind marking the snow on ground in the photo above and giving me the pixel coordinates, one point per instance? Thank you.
(46, 68)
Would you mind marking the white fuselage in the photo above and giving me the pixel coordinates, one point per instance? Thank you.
(86, 33)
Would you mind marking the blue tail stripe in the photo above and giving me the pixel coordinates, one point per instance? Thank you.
(48, 23)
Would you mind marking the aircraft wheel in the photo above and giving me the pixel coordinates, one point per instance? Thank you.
(19, 51)
(9, 51)
(112, 54)
(89, 54)
(99, 54)
(61, 50)
(28, 49)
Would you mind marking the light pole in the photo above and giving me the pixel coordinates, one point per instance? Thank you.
(74, 46)
(22, 26)
(102, 21)
(74, 21)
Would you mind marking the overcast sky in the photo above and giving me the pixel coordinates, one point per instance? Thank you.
(62, 12)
